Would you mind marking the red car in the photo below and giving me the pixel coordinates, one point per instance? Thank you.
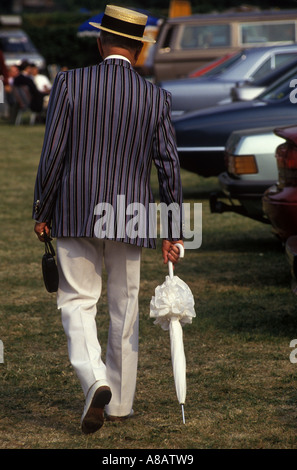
(210, 66)
(280, 201)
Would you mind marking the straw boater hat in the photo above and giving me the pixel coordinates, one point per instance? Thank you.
(124, 22)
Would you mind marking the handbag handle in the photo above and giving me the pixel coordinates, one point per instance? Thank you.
(48, 246)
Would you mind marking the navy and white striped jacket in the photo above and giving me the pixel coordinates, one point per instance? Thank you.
(105, 126)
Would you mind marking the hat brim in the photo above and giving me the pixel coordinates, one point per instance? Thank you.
(136, 38)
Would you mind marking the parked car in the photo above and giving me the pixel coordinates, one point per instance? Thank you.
(188, 42)
(250, 89)
(280, 200)
(18, 47)
(251, 169)
(202, 135)
(214, 64)
(191, 94)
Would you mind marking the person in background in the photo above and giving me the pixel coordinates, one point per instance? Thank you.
(20, 79)
(5, 88)
(41, 81)
(3, 70)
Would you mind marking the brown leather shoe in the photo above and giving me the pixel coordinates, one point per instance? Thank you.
(93, 417)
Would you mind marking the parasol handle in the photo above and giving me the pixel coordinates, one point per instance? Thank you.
(181, 254)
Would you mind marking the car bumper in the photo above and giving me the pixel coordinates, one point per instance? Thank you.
(204, 161)
(244, 197)
(280, 206)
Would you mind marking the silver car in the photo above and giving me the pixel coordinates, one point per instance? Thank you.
(191, 94)
(251, 169)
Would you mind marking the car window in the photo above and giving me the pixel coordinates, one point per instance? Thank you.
(205, 36)
(280, 89)
(262, 70)
(17, 43)
(282, 59)
(255, 33)
(273, 63)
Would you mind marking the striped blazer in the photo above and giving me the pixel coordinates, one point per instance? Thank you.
(105, 127)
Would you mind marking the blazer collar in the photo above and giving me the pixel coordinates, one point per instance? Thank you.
(117, 61)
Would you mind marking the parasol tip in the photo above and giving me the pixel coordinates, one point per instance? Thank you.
(183, 414)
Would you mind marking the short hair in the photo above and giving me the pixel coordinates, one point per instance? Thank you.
(120, 41)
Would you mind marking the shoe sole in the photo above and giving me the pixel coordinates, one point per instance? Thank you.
(119, 419)
(94, 418)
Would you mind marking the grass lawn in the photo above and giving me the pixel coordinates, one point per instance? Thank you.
(241, 385)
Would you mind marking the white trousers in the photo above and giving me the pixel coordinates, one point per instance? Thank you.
(80, 262)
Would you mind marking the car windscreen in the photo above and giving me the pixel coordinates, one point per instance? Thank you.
(17, 43)
(224, 65)
(280, 89)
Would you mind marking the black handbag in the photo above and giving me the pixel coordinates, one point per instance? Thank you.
(49, 267)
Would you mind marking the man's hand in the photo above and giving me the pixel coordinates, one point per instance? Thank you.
(40, 228)
(170, 252)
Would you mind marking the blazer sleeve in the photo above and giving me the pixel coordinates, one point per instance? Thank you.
(53, 152)
(167, 163)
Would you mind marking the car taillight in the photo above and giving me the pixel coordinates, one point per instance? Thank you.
(242, 164)
(286, 156)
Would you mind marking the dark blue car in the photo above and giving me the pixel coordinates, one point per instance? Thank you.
(202, 135)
